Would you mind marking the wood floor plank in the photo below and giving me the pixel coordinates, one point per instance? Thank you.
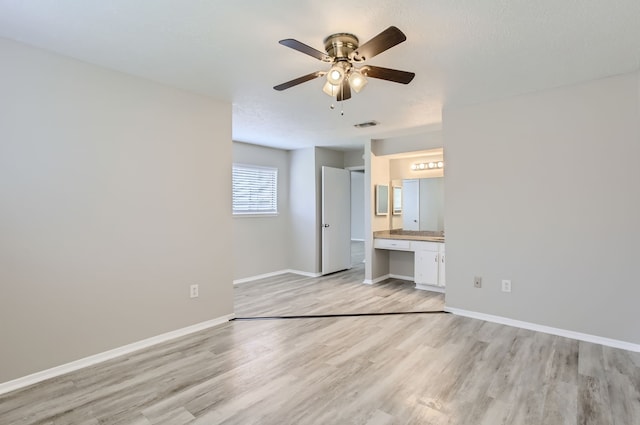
(407, 369)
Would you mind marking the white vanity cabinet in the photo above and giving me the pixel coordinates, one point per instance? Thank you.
(441, 268)
(427, 269)
(428, 260)
(393, 244)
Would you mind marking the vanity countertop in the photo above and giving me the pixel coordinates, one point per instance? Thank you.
(412, 235)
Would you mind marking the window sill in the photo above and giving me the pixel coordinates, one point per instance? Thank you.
(254, 215)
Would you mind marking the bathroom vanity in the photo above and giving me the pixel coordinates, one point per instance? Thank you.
(429, 254)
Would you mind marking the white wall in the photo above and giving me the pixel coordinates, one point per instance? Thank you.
(357, 205)
(261, 243)
(543, 189)
(114, 198)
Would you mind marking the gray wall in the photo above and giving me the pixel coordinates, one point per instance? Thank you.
(357, 205)
(115, 197)
(354, 158)
(302, 201)
(408, 143)
(376, 172)
(306, 205)
(543, 189)
(261, 243)
(401, 263)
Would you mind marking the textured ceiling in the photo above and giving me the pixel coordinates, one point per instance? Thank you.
(462, 51)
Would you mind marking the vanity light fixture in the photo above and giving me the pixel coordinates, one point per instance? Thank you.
(427, 165)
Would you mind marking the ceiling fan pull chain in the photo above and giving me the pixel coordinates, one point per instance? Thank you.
(342, 97)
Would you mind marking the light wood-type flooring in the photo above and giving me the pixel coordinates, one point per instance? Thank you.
(399, 369)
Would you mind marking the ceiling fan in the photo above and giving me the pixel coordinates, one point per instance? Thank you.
(344, 53)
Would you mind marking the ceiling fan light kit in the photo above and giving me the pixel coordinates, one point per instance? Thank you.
(357, 80)
(336, 74)
(343, 52)
(330, 89)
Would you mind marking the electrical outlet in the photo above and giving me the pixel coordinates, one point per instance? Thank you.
(194, 291)
(506, 285)
(477, 282)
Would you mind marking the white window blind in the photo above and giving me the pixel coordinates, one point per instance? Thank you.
(255, 189)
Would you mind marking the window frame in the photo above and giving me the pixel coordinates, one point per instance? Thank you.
(272, 188)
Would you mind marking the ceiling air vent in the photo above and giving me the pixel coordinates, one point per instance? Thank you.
(366, 124)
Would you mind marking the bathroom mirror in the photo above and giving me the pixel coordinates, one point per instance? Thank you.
(397, 200)
(422, 204)
(382, 199)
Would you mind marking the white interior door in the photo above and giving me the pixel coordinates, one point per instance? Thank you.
(411, 204)
(336, 220)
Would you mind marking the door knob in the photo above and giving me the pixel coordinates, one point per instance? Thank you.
(325, 225)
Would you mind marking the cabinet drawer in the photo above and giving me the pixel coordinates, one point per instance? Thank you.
(397, 244)
(425, 246)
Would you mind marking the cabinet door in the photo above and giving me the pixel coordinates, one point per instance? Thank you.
(441, 278)
(426, 267)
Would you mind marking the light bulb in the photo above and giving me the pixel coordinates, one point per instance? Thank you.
(422, 166)
(357, 80)
(432, 165)
(330, 89)
(440, 164)
(335, 75)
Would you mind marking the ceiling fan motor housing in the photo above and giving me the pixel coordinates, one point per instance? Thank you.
(341, 45)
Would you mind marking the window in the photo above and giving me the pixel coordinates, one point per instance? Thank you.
(255, 189)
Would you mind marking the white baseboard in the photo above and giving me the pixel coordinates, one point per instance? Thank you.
(34, 378)
(272, 274)
(307, 274)
(546, 329)
(376, 280)
(400, 277)
(260, 276)
(431, 288)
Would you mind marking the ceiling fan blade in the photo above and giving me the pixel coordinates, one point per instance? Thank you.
(308, 50)
(385, 40)
(299, 80)
(344, 93)
(394, 75)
